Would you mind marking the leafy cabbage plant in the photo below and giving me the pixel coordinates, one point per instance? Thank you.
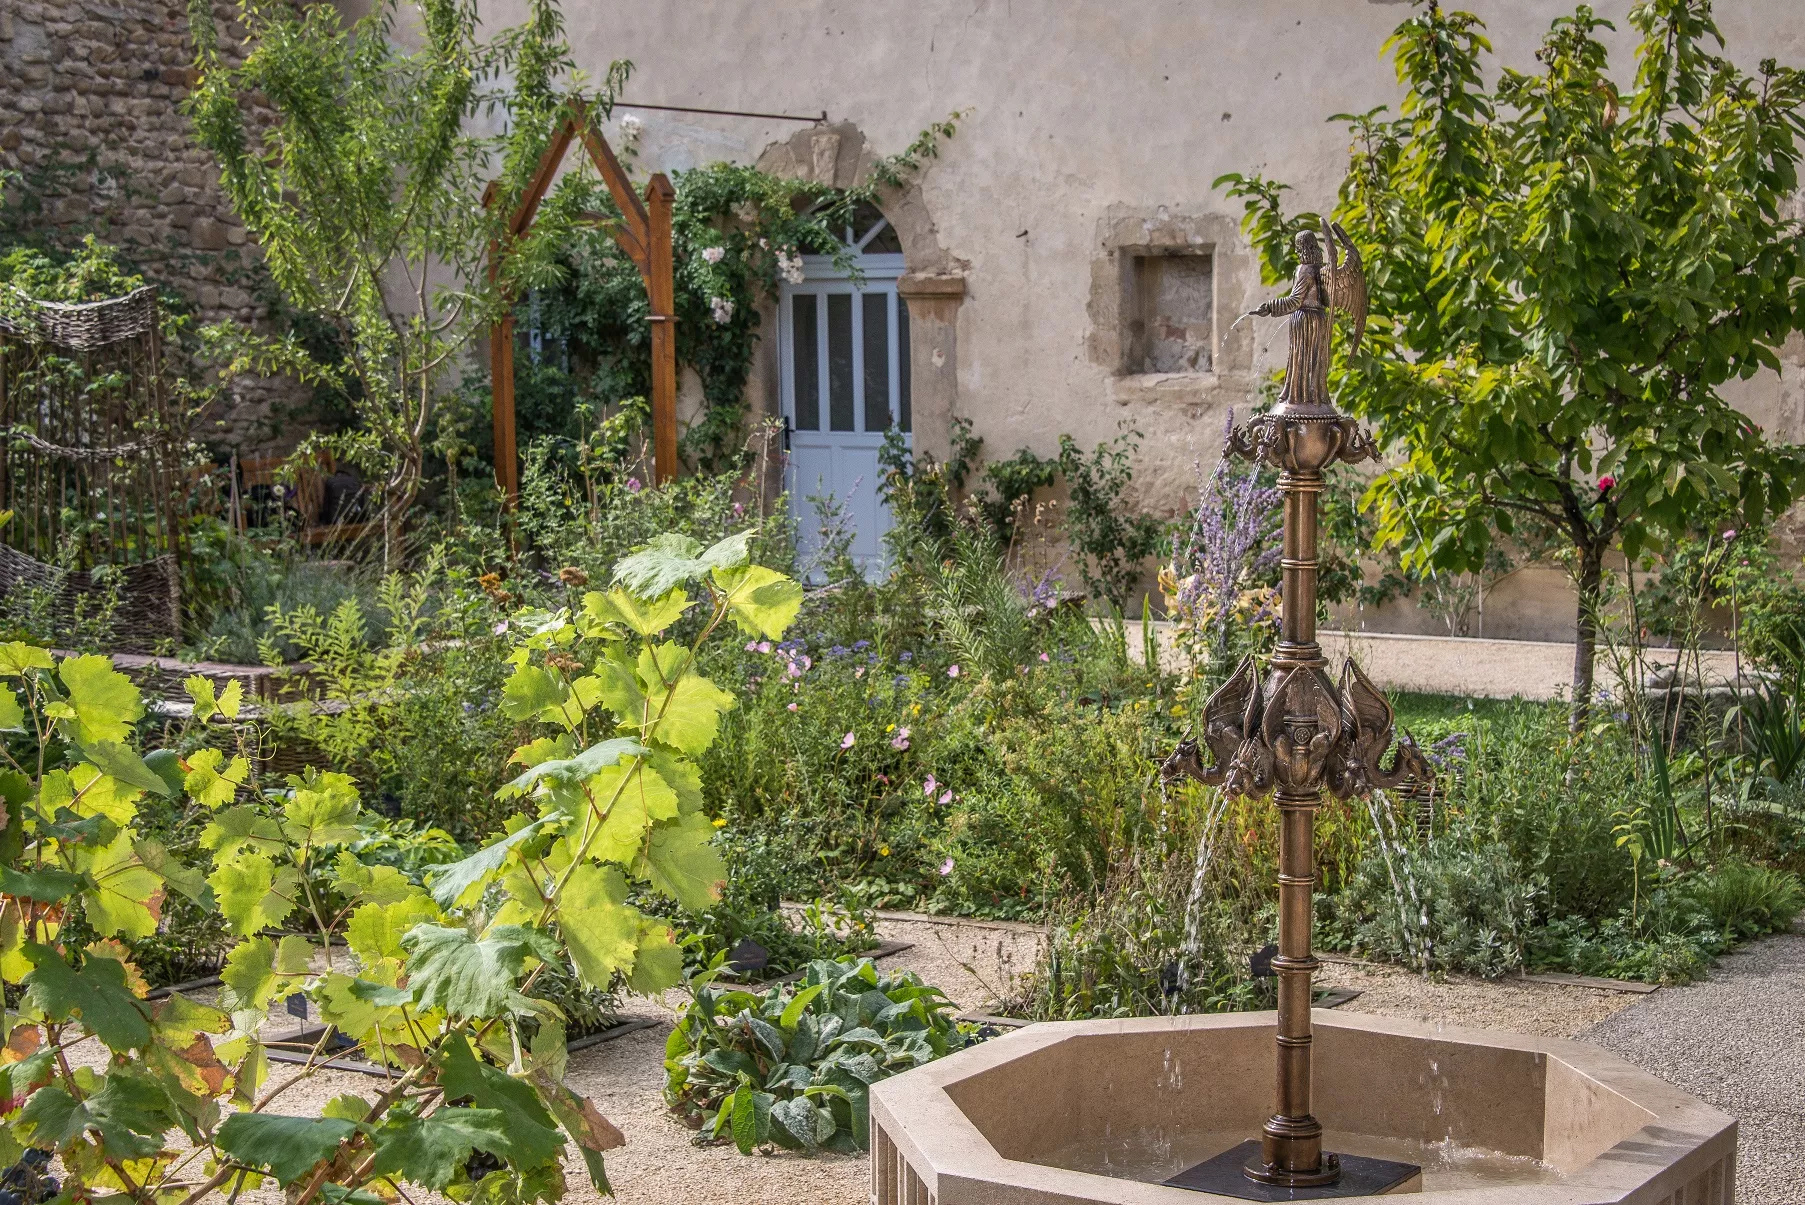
(793, 1066)
(174, 1099)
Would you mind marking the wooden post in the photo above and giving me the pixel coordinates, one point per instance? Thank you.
(501, 382)
(661, 293)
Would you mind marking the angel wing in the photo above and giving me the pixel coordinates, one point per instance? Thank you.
(1347, 281)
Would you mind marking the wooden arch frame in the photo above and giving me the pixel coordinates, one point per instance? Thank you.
(645, 235)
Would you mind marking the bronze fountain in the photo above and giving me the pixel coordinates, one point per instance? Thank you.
(1296, 734)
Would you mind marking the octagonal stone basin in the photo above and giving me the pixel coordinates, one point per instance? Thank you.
(1101, 1111)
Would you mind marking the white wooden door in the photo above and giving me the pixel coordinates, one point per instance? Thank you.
(845, 374)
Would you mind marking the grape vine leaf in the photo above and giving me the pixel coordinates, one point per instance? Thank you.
(573, 770)
(592, 1132)
(658, 963)
(763, 602)
(429, 1150)
(122, 763)
(601, 930)
(237, 828)
(96, 995)
(47, 886)
(289, 1146)
(471, 977)
(250, 973)
(687, 714)
(532, 692)
(208, 784)
(531, 1135)
(16, 657)
(461, 884)
(323, 812)
(253, 893)
(105, 701)
(681, 861)
(12, 716)
(619, 607)
(373, 884)
(129, 1112)
(124, 897)
(657, 568)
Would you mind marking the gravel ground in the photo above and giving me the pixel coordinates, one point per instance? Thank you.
(1737, 1042)
(1517, 1006)
(974, 964)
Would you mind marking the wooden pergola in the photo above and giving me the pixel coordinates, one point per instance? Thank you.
(644, 233)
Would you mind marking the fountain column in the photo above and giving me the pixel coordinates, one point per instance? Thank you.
(1291, 1140)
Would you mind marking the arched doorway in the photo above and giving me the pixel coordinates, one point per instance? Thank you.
(844, 366)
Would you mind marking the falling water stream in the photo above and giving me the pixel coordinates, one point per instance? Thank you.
(1385, 825)
(1206, 849)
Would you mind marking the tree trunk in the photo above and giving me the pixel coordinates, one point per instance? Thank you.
(1585, 646)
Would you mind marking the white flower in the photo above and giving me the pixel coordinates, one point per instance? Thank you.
(631, 128)
(723, 309)
(789, 266)
(714, 255)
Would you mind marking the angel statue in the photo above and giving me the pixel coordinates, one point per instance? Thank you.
(1316, 290)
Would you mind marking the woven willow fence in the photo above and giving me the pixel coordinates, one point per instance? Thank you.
(90, 461)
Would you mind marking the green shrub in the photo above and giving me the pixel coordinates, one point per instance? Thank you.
(793, 1066)
(1747, 901)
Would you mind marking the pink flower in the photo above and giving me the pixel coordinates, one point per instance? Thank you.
(714, 255)
(929, 786)
(952, 671)
(764, 646)
(846, 742)
(1044, 657)
(1606, 482)
(948, 796)
(901, 739)
(792, 707)
(752, 646)
(1730, 534)
(633, 486)
(946, 868)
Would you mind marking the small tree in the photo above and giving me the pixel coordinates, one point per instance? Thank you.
(1563, 277)
(360, 176)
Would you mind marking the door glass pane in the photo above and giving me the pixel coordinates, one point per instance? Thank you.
(877, 360)
(806, 352)
(839, 361)
(902, 362)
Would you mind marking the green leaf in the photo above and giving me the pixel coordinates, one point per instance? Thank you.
(592, 1132)
(375, 931)
(430, 1150)
(323, 812)
(120, 762)
(253, 894)
(471, 978)
(792, 1012)
(239, 827)
(125, 897)
(96, 996)
(105, 701)
(17, 657)
(12, 716)
(461, 884)
(207, 704)
(687, 715)
(533, 692)
(289, 1146)
(211, 786)
(531, 1135)
(376, 884)
(129, 1112)
(619, 607)
(185, 879)
(657, 568)
(600, 929)
(682, 863)
(763, 602)
(574, 770)
(250, 973)
(744, 1121)
(47, 886)
(658, 964)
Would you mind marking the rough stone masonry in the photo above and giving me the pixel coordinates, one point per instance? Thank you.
(93, 139)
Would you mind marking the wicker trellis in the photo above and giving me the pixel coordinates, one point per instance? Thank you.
(89, 453)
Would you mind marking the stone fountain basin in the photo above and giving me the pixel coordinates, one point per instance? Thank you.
(1492, 1117)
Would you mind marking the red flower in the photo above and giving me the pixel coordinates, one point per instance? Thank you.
(1605, 483)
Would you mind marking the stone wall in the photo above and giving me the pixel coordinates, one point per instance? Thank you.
(91, 123)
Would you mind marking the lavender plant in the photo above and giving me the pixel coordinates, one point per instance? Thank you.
(1214, 584)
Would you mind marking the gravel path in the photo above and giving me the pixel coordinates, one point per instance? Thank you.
(1515, 1005)
(1737, 1042)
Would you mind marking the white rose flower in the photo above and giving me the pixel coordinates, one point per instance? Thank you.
(714, 254)
(723, 309)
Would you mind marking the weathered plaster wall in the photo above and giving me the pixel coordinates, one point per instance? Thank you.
(91, 120)
(1092, 131)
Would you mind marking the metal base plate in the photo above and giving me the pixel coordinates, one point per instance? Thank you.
(1360, 1177)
